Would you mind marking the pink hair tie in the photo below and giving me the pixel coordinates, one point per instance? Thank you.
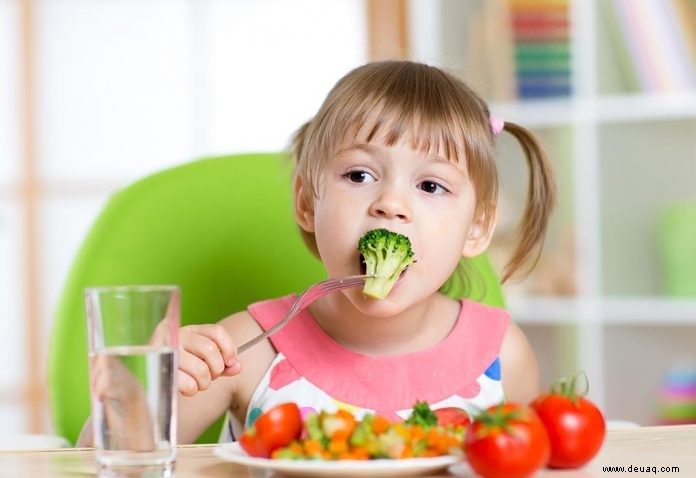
(497, 124)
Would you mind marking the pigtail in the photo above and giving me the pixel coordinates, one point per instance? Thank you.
(541, 199)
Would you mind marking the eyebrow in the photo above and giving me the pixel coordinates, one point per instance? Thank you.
(371, 148)
(368, 148)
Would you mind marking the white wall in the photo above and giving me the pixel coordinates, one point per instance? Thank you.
(127, 87)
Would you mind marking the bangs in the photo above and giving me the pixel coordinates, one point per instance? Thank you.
(391, 100)
(426, 134)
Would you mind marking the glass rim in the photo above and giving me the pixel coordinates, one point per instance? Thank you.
(132, 288)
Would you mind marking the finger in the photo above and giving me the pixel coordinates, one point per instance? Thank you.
(187, 384)
(196, 368)
(233, 369)
(207, 350)
(221, 337)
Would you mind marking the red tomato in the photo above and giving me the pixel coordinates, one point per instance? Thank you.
(251, 443)
(507, 441)
(274, 429)
(452, 416)
(575, 426)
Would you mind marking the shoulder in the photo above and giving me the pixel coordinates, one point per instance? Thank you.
(258, 316)
(520, 371)
(241, 326)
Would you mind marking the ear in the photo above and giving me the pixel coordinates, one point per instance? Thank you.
(478, 239)
(304, 208)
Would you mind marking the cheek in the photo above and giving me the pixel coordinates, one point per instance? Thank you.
(443, 239)
(334, 235)
(441, 254)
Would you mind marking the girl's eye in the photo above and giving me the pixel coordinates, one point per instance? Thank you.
(359, 176)
(432, 187)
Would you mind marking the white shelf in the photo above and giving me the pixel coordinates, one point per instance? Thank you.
(658, 311)
(649, 311)
(543, 310)
(646, 107)
(538, 113)
(627, 108)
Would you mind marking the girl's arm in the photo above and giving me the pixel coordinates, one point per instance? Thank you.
(200, 405)
(520, 372)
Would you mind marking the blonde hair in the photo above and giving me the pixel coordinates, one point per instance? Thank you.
(439, 111)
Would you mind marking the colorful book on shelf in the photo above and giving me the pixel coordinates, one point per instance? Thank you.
(539, 5)
(541, 31)
(619, 47)
(529, 86)
(540, 52)
(656, 37)
(667, 27)
(685, 12)
(541, 26)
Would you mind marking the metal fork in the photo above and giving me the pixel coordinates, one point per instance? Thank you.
(312, 293)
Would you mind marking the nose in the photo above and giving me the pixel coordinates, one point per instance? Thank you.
(391, 204)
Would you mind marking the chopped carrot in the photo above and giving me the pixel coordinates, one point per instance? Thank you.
(360, 454)
(313, 447)
(380, 425)
(417, 432)
(407, 452)
(296, 447)
(336, 447)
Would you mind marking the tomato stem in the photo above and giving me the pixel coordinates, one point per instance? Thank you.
(569, 389)
(498, 418)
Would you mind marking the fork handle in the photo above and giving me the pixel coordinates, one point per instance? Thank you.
(339, 283)
(262, 336)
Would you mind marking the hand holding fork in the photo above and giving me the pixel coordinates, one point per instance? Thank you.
(206, 352)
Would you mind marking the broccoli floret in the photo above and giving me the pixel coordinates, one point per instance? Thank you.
(386, 255)
(423, 415)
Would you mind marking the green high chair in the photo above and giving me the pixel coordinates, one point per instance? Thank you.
(222, 229)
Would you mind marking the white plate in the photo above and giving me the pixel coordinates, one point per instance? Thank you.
(348, 468)
(462, 469)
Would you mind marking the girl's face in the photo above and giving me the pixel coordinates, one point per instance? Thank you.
(423, 196)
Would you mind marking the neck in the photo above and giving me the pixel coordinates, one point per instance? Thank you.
(419, 327)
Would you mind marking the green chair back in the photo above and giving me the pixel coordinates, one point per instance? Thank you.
(220, 228)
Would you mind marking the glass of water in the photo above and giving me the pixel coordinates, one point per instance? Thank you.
(133, 338)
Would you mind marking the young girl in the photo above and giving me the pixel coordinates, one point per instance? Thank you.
(409, 148)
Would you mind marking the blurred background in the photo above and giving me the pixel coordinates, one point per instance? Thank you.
(96, 94)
